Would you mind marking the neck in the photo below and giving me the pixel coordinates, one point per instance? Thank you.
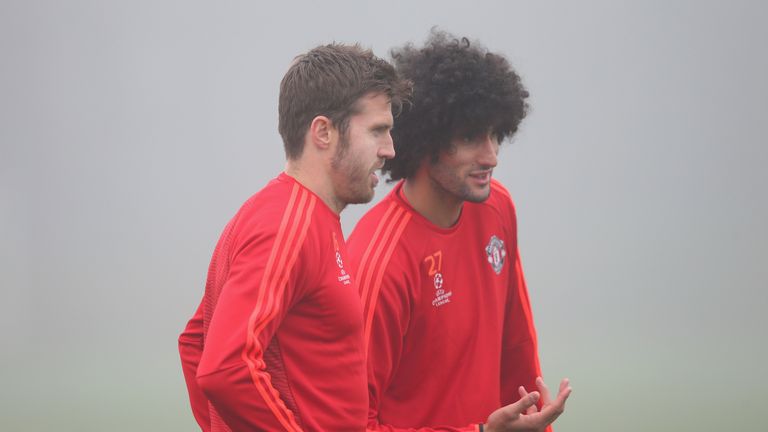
(314, 177)
(431, 201)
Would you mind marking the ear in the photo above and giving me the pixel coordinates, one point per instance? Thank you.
(322, 132)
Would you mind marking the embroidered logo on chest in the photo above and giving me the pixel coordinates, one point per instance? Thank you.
(434, 266)
(343, 277)
(496, 253)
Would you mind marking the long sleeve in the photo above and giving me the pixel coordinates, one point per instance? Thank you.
(277, 343)
(249, 309)
(190, 350)
(520, 359)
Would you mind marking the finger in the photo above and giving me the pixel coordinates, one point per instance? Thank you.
(533, 408)
(565, 391)
(544, 390)
(553, 410)
(522, 405)
(510, 414)
(521, 391)
(533, 422)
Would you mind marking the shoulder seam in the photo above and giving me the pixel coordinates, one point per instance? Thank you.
(375, 260)
(292, 232)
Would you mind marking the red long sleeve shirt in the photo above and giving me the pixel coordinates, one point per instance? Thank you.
(448, 326)
(276, 343)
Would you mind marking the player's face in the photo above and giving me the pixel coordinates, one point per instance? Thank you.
(464, 171)
(363, 149)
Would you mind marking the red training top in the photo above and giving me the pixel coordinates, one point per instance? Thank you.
(276, 343)
(448, 325)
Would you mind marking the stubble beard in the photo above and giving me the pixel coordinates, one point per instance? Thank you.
(457, 186)
(356, 187)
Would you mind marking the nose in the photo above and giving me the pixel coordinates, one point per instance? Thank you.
(387, 148)
(489, 151)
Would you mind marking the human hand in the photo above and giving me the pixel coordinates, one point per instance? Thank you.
(524, 416)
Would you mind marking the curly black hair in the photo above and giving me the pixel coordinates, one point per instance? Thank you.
(460, 89)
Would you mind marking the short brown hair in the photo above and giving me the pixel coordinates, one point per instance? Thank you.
(328, 81)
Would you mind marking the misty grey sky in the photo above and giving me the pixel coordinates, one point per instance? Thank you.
(130, 132)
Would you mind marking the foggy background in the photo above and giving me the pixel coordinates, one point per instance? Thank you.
(130, 132)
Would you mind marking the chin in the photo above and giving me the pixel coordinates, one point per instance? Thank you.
(361, 198)
(478, 197)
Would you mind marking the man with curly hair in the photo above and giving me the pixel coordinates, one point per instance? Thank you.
(447, 322)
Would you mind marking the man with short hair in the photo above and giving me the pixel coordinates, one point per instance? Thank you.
(448, 326)
(276, 343)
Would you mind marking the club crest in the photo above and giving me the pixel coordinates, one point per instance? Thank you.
(496, 253)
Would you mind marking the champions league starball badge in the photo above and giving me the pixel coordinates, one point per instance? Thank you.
(496, 253)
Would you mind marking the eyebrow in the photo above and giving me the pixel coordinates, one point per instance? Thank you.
(382, 126)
